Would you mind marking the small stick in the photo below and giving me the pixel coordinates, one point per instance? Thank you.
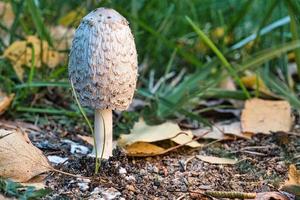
(231, 194)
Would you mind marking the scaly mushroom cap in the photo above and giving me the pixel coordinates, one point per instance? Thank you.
(103, 61)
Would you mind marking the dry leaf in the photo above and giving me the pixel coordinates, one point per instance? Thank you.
(20, 53)
(5, 101)
(62, 37)
(294, 175)
(19, 159)
(264, 116)
(223, 131)
(292, 185)
(143, 149)
(142, 132)
(88, 139)
(217, 160)
(254, 82)
(7, 18)
(228, 84)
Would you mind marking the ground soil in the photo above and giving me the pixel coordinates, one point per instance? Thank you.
(263, 165)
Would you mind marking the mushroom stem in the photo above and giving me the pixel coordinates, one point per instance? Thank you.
(103, 133)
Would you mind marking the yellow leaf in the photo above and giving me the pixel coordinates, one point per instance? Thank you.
(264, 116)
(294, 175)
(254, 82)
(20, 53)
(142, 132)
(143, 149)
(217, 160)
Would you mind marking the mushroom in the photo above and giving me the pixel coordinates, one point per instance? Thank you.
(103, 70)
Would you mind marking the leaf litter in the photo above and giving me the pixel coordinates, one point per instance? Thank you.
(19, 159)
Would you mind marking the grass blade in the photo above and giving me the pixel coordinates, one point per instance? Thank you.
(268, 54)
(222, 58)
(38, 21)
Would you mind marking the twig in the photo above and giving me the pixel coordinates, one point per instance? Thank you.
(67, 173)
(181, 197)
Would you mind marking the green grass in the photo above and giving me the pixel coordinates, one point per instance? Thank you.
(173, 38)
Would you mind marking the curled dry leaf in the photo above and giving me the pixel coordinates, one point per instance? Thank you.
(264, 116)
(5, 101)
(143, 149)
(19, 159)
(22, 52)
(142, 132)
(217, 160)
(292, 185)
(223, 131)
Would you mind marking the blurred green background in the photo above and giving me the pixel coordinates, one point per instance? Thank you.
(191, 52)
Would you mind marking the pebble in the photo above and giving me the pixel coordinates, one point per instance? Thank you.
(111, 193)
(130, 178)
(143, 172)
(130, 188)
(56, 159)
(122, 170)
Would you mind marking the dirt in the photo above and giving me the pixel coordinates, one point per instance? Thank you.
(263, 165)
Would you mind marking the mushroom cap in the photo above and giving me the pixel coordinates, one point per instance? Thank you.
(103, 61)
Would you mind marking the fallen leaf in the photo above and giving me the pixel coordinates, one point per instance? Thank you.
(62, 37)
(19, 159)
(217, 160)
(7, 18)
(143, 149)
(223, 131)
(21, 53)
(88, 139)
(256, 83)
(293, 175)
(292, 185)
(264, 116)
(5, 101)
(142, 132)
(228, 84)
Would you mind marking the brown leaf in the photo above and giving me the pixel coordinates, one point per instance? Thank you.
(5, 101)
(143, 149)
(217, 160)
(19, 159)
(264, 116)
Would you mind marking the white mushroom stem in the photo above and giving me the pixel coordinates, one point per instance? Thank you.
(103, 133)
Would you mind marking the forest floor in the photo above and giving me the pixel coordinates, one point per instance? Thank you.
(262, 166)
